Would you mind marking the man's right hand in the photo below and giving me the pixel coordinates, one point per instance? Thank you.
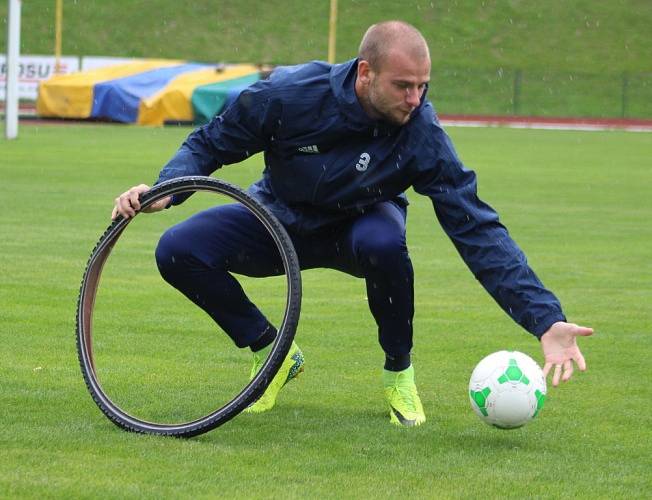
(128, 203)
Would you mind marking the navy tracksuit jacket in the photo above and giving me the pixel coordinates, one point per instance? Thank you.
(327, 162)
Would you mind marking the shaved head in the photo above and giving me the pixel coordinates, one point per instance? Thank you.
(393, 71)
(383, 38)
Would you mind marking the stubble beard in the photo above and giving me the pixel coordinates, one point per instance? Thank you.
(383, 109)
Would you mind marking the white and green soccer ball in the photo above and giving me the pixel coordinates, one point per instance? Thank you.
(507, 389)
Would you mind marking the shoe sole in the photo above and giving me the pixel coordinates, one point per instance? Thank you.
(397, 418)
(293, 373)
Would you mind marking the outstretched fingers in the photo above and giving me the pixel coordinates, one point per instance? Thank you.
(582, 331)
(561, 352)
(564, 371)
(568, 370)
(556, 376)
(579, 359)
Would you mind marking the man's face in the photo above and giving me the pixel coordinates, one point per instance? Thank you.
(396, 87)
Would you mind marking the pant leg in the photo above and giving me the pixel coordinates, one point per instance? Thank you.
(197, 255)
(373, 246)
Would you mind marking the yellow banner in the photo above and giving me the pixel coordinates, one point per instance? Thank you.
(71, 96)
(173, 103)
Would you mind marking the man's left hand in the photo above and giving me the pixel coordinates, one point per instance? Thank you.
(560, 350)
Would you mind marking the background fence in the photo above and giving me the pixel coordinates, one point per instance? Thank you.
(471, 91)
(541, 93)
(511, 92)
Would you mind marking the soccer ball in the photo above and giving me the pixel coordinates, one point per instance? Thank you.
(507, 389)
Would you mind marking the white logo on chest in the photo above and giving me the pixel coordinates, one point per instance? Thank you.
(363, 162)
(308, 149)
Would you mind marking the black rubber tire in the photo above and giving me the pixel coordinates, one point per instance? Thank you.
(255, 388)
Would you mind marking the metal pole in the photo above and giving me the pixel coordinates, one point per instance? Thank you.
(13, 50)
(332, 32)
(517, 92)
(623, 95)
(57, 36)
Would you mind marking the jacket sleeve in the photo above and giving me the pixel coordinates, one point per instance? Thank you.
(484, 243)
(243, 129)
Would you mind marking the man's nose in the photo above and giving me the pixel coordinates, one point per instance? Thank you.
(412, 97)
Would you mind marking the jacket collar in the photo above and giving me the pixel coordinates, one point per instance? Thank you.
(342, 82)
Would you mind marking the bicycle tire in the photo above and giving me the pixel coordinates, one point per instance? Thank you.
(255, 388)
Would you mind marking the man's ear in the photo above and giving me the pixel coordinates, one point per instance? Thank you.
(364, 71)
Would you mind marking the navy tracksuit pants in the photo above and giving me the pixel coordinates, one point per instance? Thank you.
(198, 255)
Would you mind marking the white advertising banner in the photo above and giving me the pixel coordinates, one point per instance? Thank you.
(32, 70)
(94, 62)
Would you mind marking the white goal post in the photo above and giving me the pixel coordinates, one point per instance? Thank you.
(11, 82)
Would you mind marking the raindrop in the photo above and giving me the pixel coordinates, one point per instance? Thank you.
(390, 300)
(173, 260)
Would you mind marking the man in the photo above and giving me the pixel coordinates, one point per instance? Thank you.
(342, 143)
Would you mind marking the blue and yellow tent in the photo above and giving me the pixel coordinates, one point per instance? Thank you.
(149, 92)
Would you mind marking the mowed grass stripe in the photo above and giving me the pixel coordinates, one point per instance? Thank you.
(577, 202)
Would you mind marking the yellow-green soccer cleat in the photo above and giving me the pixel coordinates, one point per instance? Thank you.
(291, 367)
(405, 407)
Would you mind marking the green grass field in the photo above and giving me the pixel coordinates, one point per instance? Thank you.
(577, 202)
